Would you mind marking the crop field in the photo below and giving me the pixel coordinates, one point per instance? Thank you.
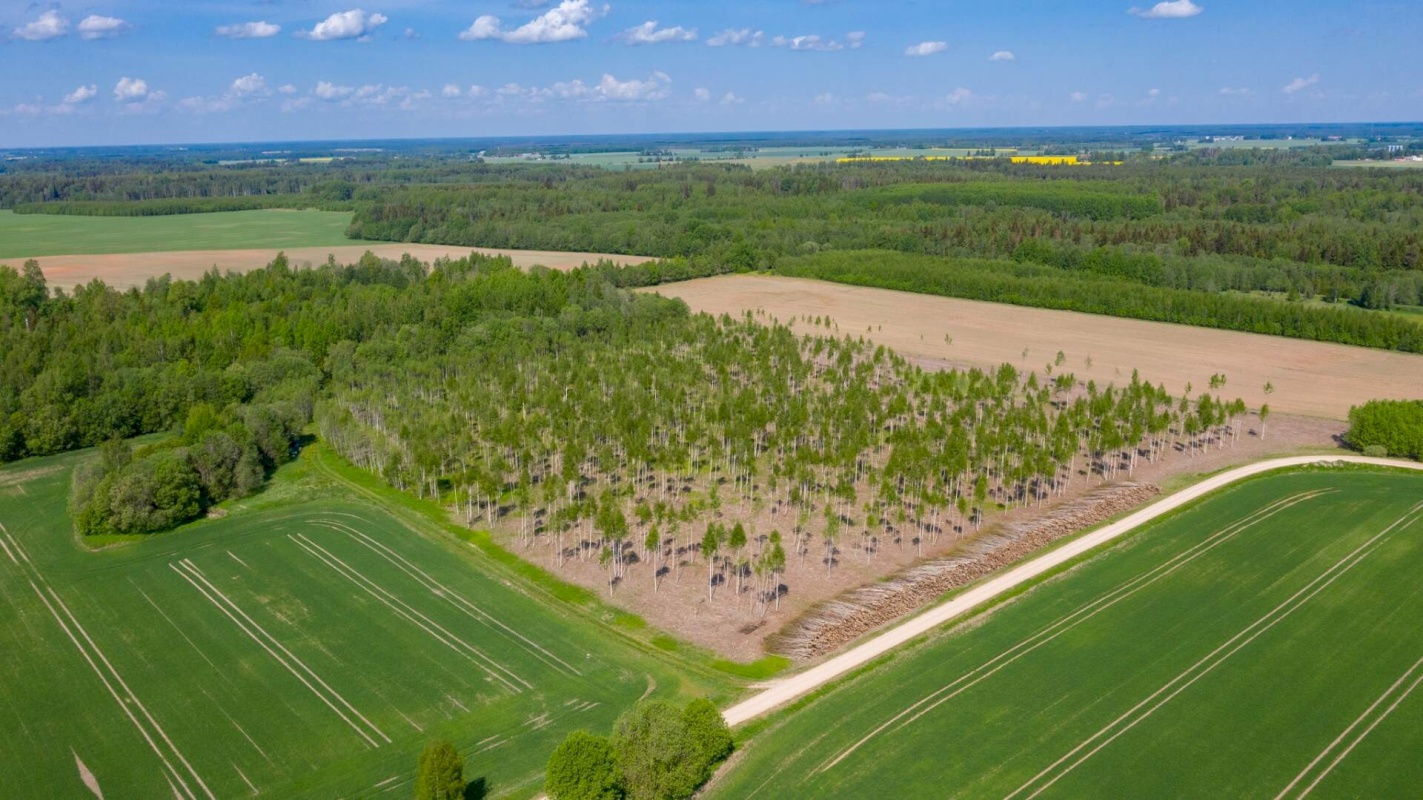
(33, 235)
(1315, 379)
(304, 647)
(1261, 643)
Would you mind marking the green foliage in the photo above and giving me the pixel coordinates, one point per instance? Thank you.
(584, 767)
(1395, 426)
(441, 773)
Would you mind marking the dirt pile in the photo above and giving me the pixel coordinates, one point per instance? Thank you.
(830, 625)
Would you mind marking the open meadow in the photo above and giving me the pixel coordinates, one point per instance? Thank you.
(1309, 378)
(1185, 661)
(298, 647)
(33, 235)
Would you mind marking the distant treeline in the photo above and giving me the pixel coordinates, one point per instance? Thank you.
(1047, 287)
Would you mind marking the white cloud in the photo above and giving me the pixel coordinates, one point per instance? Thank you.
(1078, 97)
(1003, 55)
(476, 91)
(50, 25)
(926, 49)
(1153, 93)
(130, 89)
(248, 85)
(563, 23)
(855, 39)
(249, 30)
(701, 94)
(1299, 84)
(1232, 91)
(743, 37)
(959, 96)
(286, 88)
(649, 33)
(815, 43)
(451, 90)
(353, 24)
(83, 94)
(325, 90)
(731, 99)
(825, 99)
(96, 27)
(1169, 9)
(656, 87)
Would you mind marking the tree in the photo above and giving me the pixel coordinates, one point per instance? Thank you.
(1264, 415)
(441, 773)
(707, 729)
(584, 767)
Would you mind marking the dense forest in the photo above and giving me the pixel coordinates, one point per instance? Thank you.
(558, 400)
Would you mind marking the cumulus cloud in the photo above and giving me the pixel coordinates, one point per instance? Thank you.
(325, 90)
(451, 90)
(1169, 9)
(732, 99)
(286, 88)
(1003, 55)
(1300, 84)
(1234, 91)
(353, 24)
(732, 37)
(649, 33)
(817, 43)
(701, 94)
(96, 27)
(249, 30)
(1078, 97)
(81, 95)
(959, 96)
(656, 87)
(130, 89)
(249, 85)
(50, 25)
(925, 49)
(563, 23)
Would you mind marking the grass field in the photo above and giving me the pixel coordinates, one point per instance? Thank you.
(1260, 642)
(32, 235)
(296, 647)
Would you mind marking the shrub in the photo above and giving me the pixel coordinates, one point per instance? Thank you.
(1396, 426)
(441, 775)
(584, 767)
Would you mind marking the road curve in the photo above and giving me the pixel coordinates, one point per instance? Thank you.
(786, 690)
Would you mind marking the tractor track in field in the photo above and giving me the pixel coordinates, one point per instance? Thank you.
(787, 690)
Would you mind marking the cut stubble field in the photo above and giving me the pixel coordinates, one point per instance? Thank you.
(1314, 379)
(1259, 643)
(308, 649)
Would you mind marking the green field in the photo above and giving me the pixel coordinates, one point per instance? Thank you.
(26, 235)
(1263, 641)
(293, 648)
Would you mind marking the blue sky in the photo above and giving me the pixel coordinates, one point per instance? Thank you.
(158, 71)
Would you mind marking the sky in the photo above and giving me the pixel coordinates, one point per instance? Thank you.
(175, 71)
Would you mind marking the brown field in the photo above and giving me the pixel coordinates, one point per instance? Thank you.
(1310, 378)
(134, 269)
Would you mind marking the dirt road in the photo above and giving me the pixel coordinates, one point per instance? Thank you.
(783, 691)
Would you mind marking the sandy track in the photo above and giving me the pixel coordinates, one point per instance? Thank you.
(784, 691)
(1314, 379)
(123, 270)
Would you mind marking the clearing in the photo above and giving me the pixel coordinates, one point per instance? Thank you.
(297, 646)
(1185, 661)
(1315, 379)
(33, 235)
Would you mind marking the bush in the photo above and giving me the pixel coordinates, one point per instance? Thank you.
(1395, 426)
(584, 767)
(441, 775)
(657, 752)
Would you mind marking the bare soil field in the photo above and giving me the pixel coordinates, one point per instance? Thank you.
(731, 625)
(1314, 379)
(124, 270)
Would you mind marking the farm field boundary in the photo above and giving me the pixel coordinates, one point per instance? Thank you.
(791, 688)
(1314, 379)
